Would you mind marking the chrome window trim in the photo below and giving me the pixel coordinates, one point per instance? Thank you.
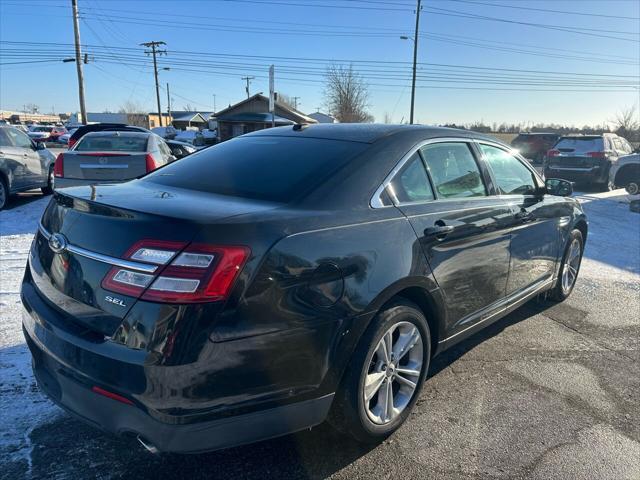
(116, 262)
(376, 201)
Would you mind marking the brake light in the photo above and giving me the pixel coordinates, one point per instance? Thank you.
(71, 142)
(197, 273)
(596, 154)
(58, 166)
(150, 162)
(553, 153)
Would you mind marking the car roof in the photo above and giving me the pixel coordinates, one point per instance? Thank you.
(118, 133)
(366, 132)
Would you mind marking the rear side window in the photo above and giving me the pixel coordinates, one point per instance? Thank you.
(411, 184)
(115, 143)
(18, 138)
(511, 176)
(278, 169)
(453, 170)
(580, 145)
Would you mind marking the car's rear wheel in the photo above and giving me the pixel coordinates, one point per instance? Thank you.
(386, 374)
(632, 188)
(51, 179)
(570, 266)
(4, 193)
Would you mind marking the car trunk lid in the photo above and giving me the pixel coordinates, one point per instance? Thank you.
(104, 166)
(100, 225)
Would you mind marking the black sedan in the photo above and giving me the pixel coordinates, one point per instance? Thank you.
(286, 277)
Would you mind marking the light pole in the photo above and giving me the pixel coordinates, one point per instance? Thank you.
(415, 59)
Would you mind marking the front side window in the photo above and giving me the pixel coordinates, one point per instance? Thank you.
(453, 170)
(411, 184)
(511, 176)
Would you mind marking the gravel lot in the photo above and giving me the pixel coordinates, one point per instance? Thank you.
(551, 391)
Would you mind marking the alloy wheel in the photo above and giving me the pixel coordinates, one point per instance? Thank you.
(571, 265)
(394, 368)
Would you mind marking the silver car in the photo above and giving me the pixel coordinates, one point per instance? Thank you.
(110, 157)
(24, 164)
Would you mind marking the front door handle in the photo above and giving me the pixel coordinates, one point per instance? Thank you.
(439, 230)
(524, 215)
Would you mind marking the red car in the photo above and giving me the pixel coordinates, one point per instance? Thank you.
(56, 132)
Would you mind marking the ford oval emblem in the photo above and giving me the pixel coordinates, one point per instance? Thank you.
(58, 243)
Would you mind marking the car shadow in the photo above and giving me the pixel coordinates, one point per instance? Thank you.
(22, 199)
(69, 447)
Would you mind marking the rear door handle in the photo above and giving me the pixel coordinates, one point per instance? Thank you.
(439, 230)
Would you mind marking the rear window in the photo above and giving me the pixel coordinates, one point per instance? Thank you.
(42, 129)
(521, 138)
(580, 145)
(120, 143)
(276, 169)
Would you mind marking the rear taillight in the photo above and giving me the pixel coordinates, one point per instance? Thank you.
(71, 142)
(58, 166)
(150, 162)
(197, 273)
(596, 154)
(553, 153)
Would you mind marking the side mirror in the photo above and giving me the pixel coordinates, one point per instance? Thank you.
(39, 146)
(559, 187)
(176, 152)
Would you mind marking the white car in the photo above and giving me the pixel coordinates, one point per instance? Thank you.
(626, 173)
(40, 132)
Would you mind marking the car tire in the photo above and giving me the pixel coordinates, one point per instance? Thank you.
(569, 267)
(4, 193)
(368, 421)
(48, 189)
(632, 188)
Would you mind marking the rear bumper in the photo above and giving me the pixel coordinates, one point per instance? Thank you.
(575, 174)
(54, 351)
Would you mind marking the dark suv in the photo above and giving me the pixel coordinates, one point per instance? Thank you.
(586, 159)
(534, 146)
(265, 284)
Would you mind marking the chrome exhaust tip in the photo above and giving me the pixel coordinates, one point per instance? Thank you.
(150, 447)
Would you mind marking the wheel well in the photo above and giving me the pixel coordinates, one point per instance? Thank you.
(627, 174)
(4, 179)
(582, 226)
(422, 299)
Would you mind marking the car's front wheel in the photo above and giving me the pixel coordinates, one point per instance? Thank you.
(386, 374)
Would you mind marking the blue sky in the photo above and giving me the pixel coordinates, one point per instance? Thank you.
(494, 65)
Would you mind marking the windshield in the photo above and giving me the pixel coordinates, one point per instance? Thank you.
(268, 168)
(119, 143)
(580, 145)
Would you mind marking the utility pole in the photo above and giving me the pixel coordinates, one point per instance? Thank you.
(214, 103)
(248, 80)
(154, 51)
(415, 59)
(295, 102)
(76, 34)
(168, 105)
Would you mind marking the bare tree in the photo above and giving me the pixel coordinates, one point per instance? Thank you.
(131, 106)
(626, 120)
(387, 118)
(347, 95)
